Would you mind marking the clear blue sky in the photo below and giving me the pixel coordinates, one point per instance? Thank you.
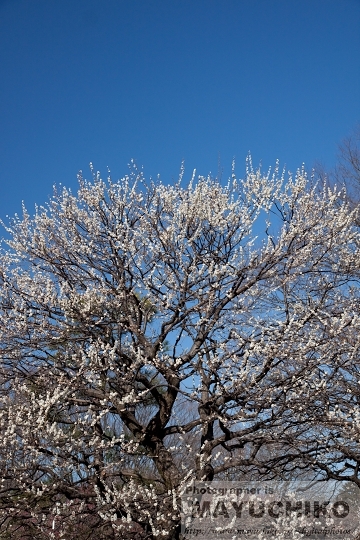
(166, 80)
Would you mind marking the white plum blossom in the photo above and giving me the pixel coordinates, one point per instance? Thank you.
(156, 334)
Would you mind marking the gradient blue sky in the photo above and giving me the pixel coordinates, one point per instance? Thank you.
(170, 80)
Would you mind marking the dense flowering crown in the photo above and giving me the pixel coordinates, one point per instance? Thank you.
(152, 335)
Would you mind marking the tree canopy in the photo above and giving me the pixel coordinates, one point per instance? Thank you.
(155, 334)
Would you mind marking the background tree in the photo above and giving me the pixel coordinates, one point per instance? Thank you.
(141, 323)
(346, 172)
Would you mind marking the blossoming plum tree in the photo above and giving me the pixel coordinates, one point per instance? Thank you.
(152, 335)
